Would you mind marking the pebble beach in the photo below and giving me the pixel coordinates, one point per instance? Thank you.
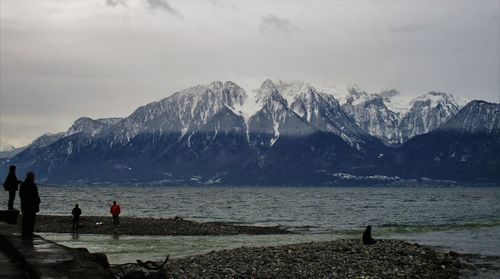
(332, 259)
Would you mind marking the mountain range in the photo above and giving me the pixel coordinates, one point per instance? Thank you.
(279, 134)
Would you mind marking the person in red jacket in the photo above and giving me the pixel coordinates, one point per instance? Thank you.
(115, 211)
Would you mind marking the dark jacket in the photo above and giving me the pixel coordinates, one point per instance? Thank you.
(11, 182)
(76, 212)
(30, 200)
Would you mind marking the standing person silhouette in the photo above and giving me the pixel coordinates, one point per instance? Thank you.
(30, 204)
(11, 184)
(115, 211)
(76, 212)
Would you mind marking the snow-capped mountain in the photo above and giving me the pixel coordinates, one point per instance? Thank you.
(393, 119)
(90, 126)
(280, 133)
(475, 117)
(274, 119)
(372, 115)
(46, 140)
(183, 113)
(466, 147)
(428, 112)
(323, 112)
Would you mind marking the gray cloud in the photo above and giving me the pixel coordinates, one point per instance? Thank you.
(162, 5)
(90, 58)
(275, 26)
(408, 28)
(222, 4)
(116, 3)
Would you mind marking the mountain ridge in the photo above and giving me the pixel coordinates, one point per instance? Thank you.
(201, 135)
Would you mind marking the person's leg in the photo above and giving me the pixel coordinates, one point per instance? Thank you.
(74, 223)
(12, 197)
(28, 225)
(118, 220)
(24, 225)
(32, 228)
(77, 223)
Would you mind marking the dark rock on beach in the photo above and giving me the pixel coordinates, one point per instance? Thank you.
(147, 226)
(334, 259)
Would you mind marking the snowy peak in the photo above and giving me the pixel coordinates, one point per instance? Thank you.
(357, 96)
(391, 98)
(292, 91)
(274, 119)
(477, 116)
(435, 99)
(183, 112)
(268, 94)
(428, 112)
(370, 112)
(46, 140)
(319, 111)
(90, 126)
(229, 93)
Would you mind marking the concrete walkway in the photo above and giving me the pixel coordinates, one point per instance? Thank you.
(9, 269)
(41, 258)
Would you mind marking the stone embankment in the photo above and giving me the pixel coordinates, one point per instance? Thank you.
(41, 258)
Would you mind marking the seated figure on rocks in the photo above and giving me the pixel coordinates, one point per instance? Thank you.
(367, 236)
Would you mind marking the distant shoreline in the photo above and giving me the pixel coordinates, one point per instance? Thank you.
(147, 226)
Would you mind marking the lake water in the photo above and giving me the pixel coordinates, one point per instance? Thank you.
(463, 219)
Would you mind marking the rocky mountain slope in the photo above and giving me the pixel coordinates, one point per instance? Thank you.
(394, 120)
(283, 133)
(467, 147)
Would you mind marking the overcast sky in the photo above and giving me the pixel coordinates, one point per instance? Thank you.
(63, 59)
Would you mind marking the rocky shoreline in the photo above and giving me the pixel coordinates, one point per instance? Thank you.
(332, 259)
(147, 226)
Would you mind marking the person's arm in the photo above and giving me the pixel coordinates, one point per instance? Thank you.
(21, 192)
(37, 197)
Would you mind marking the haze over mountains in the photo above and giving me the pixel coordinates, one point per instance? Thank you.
(281, 133)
